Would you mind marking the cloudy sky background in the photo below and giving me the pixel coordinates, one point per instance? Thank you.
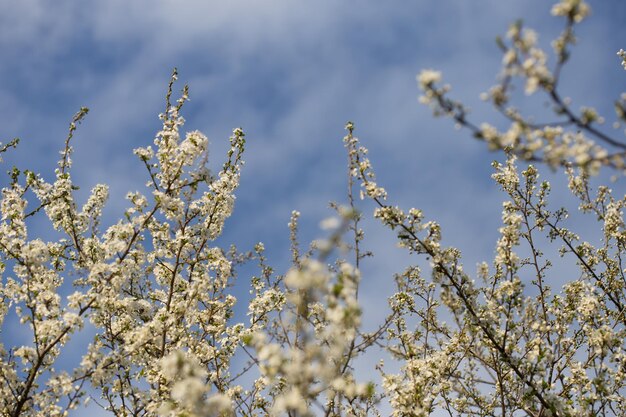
(291, 74)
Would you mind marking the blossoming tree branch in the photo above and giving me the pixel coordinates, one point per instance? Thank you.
(156, 290)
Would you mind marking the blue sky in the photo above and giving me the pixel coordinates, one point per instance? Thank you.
(291, 74)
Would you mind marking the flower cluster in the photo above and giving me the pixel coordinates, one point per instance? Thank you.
(150, 285)
(571, 137)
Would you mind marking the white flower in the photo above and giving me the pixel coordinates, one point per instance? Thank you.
(428, 77)
(576, 9)
(330, 223)
(622, 54)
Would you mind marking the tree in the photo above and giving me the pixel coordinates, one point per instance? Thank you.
(156, 289)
